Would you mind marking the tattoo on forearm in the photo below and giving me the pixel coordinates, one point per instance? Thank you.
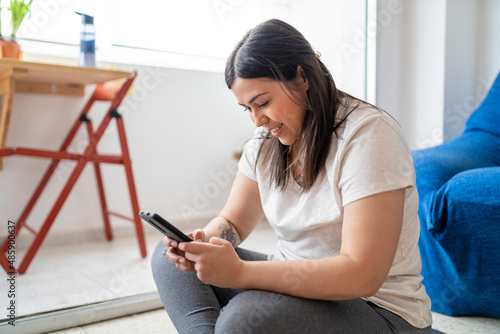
(228, 233)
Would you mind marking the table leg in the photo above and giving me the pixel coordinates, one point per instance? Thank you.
(100, 185)
(7, 92)
(131, 185)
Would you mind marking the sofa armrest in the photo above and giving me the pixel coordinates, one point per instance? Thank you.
(435, 166)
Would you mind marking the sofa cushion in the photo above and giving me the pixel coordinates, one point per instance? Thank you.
(487, 115)
(460, 243)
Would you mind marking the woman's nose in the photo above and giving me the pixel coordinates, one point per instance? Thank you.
(259, 118)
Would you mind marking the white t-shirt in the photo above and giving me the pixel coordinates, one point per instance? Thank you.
(369, 156)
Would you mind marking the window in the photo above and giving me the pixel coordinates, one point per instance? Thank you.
(199, 34)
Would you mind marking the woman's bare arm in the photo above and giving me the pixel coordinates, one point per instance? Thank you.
(240, 215)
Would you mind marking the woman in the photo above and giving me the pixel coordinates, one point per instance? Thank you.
(334, 178)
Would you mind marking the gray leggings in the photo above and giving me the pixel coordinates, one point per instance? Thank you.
(196, 307)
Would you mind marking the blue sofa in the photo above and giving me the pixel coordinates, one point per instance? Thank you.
(459, 188)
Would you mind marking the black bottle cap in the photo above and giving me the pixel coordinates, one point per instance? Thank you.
(87, 19)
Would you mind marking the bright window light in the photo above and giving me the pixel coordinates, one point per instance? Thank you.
(199, 34)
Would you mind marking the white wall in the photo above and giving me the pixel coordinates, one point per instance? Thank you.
(340, 38)
(183, 127)
(472, 59)
(488, 39)
(460, 61)
(435, 62)
(410, 68)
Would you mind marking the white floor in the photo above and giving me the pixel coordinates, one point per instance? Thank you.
(89, 270)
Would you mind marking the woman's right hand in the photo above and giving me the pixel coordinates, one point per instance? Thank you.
(175, 255)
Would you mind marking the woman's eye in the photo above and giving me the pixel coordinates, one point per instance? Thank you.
(262, 105)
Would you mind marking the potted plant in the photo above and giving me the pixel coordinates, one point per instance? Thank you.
(18, 10)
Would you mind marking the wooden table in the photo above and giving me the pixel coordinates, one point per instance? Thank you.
(28, 77)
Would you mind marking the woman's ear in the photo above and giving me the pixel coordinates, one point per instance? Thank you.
(301, 79)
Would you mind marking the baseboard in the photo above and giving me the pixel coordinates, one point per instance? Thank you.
(83, 315)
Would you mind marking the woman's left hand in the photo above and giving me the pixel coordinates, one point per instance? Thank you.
(216, 262)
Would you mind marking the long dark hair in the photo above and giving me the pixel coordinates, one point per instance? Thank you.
(274, 49)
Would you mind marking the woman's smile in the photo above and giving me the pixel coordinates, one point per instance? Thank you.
(276, 131)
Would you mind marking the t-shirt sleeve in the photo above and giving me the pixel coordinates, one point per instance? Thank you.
(375, 159)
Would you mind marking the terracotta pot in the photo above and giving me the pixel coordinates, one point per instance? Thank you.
(10, 49)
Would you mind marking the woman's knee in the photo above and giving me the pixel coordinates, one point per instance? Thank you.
(251, 311)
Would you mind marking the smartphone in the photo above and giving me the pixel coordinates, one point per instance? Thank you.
(164, 226)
